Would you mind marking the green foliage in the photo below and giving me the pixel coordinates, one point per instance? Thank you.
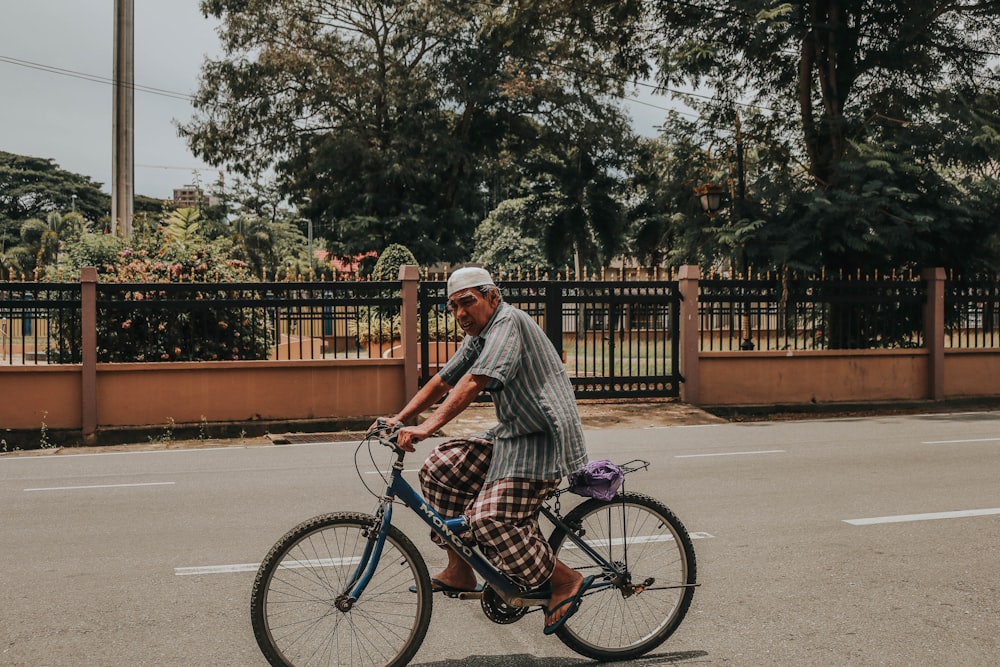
(137, 328)
(388, 121)
(374, 327)
(33, 187)
(501, 243)
(98, 250)
(387, 269)
(182, 226)
(389, 261)
(869, 128)
(667, 224)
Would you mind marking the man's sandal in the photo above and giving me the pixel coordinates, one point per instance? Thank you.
(572, 604)
(438, 586)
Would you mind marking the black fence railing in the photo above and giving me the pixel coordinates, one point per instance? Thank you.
(617, 338)
(614, 335)
(810, 314)
(30, 314)
(143, 322)
(972, 313)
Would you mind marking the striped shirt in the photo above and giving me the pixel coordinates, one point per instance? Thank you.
(539, 435)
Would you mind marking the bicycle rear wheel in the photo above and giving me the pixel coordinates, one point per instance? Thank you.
(642, 535)
(293, 605)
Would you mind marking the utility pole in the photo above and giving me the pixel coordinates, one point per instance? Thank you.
(740, 208)
(123, 123)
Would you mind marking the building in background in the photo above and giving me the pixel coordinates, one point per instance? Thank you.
(193, 197)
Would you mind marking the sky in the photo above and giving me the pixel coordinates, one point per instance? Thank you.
(56, 72)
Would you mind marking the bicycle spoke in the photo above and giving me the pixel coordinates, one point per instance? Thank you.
(641, 538)
(295, 602)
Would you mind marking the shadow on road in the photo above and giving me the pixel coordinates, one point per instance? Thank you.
(523, 660)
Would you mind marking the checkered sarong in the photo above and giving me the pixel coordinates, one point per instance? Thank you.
(503, 515)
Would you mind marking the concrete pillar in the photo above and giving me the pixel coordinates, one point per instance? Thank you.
(88, 338)
(409, 275)
(687, 280)
(934, 331)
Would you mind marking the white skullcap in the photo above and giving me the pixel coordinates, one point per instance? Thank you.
(468, 277)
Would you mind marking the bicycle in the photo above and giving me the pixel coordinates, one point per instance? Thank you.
(350, 588)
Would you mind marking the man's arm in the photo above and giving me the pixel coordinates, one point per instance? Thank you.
(466, 391)
(427, 396)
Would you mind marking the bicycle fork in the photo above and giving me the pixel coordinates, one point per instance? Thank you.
(369, 559)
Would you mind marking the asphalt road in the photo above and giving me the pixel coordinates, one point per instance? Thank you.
(870, 541)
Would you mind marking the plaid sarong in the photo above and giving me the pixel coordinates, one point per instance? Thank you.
(502, 515)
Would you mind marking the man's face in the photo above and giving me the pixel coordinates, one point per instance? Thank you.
(473, 309)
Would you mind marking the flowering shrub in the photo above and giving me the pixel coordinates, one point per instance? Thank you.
(173, 303)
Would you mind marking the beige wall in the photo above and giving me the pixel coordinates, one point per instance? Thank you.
(971, 373)
(31, 395)
(124, 395)
(190, 392)
(762, 378)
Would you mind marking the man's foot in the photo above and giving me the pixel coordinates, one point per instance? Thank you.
(564, 604)
(456, 576)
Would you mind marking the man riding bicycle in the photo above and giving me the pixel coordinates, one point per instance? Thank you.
(499, 479)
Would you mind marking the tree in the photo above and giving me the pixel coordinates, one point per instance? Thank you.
(32, 187)
(877, 121)
(500, 242)
(667, 224)
(386, 121)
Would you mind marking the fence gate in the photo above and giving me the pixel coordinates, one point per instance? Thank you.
(618, 339)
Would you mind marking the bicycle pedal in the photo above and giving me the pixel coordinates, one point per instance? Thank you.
(542, 594)
(534, 598)
(464, 595)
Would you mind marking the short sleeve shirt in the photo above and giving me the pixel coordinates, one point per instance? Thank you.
(539, 435)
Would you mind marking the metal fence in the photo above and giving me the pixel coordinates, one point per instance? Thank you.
(618, 338)
(972, 313)
(40, 322)
(810, 314)
(30, 313)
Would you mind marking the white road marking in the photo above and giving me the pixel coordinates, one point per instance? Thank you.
(354, 560)
(900, 518)
(99, 486)
(954, 442)
(638, 539)
(765, 451)
(252, 567)
(27, 456)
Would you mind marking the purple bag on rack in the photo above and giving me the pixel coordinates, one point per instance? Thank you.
(598, 479)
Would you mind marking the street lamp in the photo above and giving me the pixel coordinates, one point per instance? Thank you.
(710, 197)
(309, 236)
(72, 203)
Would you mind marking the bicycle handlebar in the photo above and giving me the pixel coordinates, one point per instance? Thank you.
(386, 434)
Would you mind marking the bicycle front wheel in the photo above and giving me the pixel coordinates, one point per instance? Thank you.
(293, 605)
(642, 536)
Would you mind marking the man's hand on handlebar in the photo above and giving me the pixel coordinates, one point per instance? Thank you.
(383, 426)
(405, 437)
(409, 436)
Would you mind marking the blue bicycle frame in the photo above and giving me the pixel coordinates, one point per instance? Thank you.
(450, 531)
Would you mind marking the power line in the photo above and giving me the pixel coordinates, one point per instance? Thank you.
(691, 94)
(94, 78)
(167, 166)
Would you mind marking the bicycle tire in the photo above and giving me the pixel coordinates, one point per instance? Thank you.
(292, 605)
(642, 534)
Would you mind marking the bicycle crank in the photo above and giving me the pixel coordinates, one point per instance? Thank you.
(499, 611)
